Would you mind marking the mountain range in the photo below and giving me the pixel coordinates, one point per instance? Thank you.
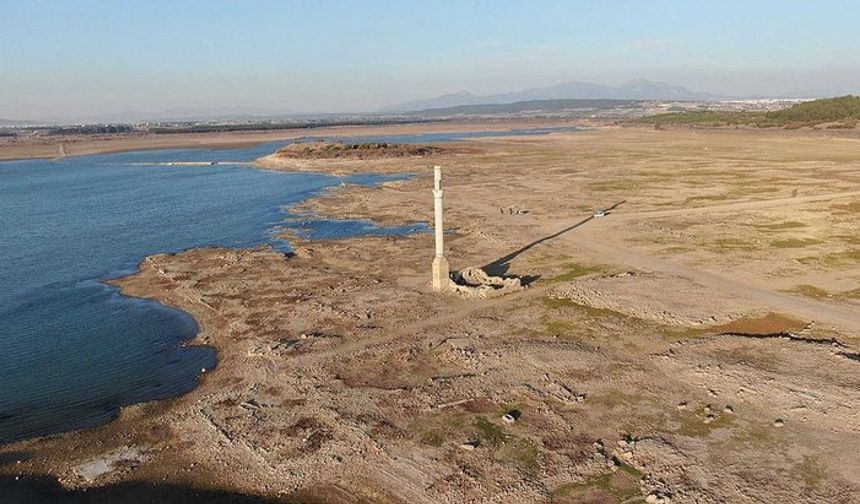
(637, 89)
(569, 106)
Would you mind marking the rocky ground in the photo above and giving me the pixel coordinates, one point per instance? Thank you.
(649, 359)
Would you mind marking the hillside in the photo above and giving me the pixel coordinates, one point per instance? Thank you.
(527, 106)
(636, 89)
(842, 112)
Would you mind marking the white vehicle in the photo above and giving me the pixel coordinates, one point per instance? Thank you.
(598, 214)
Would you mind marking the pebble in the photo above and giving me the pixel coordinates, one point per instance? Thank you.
(508, 418)
(682, 405)
(728, 409)
(469, 445)
(657, 498)
(779, 422)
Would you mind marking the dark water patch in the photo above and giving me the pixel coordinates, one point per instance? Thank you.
(44, 489)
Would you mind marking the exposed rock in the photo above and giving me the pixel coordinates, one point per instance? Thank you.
(475, 282)
(469, 445)
(511, 416)
(118, 460)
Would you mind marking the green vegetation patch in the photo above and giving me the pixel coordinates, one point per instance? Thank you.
(794, 243)
(727, 244)
(449, 426)
(835, 260)
(675, 249)
(692, 423)
(612, 185)
(810, 472)
(615, 487)
(576, 270)
(524, 452)
(677, 333)
(577, 326)
(489, 433)
(781, 225)
(843, 111)
(613, 398)
(438, 428)
(846, 125)
(810, 291)
(853, 207)
(814, 292)
(852, 294)
(758, 435)
(711, 197)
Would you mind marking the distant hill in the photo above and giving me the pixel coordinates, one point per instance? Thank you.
(842, 112)
(638, 89)
(526, 106)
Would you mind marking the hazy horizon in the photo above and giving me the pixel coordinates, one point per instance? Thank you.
(90, 58)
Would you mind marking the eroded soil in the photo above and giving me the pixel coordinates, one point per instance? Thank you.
(662, 353)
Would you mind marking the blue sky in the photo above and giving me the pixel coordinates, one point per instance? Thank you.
(78, 58)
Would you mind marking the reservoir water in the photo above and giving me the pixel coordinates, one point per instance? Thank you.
(73, 350)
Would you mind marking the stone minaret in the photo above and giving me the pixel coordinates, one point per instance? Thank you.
(440, 264)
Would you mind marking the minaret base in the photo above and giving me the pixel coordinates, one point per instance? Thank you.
(441, 272)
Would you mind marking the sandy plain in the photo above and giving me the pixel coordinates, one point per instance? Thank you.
(697, 344)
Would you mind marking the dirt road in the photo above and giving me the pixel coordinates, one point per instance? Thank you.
(597, 235)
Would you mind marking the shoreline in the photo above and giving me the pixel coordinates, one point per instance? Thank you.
(344, 378)
(74, 146)
(113, 283)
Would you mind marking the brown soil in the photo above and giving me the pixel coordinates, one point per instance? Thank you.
(772, 323)
(344, 378)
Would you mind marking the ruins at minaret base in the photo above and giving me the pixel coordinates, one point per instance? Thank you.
(468, 282)
(441, 273)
